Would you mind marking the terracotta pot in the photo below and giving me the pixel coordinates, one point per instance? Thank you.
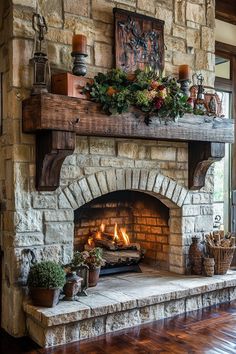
(45, 297)
(94, 276)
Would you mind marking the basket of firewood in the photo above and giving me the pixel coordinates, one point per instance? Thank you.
(221, 247)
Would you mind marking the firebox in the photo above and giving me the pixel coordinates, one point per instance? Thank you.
(130, 226)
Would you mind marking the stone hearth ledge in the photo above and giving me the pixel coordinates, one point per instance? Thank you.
(126, 300)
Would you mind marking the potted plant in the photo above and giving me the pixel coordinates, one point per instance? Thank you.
(93, 259)
(45, 281)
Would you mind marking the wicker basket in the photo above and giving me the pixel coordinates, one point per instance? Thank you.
(209, 266)
(223, 257)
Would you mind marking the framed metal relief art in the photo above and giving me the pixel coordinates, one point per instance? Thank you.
(139, 41)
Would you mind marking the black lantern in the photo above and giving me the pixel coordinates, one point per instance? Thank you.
(40, 60)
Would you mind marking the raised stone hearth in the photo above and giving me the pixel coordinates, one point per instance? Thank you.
(127, 300)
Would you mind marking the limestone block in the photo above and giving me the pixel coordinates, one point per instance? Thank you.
(193, 38)
(102, 182)
(147, 164)
(179, 31)
(44, 201)
(193, 303)
(183, 195)
(177, 260)
(103, 55)
(120, 320)
(36, 332)
(158, 183)
(182, 154)
(85, 189)
(135, 179)
(151, 179)
(190, 210)
(92, 327)
(128, 179)
(70, 172)
(195, 13)
(188, 224)
(201, 198)
(111, 180)
(208, 39)
(206, 210)
(147, 6)
(82, 8)
(210, 16)
(176, 240)
(102, 146)
(59, 215)
(102, 10)
(164, 185)
(120, 179)
(180, 8)
(82, 145)
(93, 185)
(174, 308)
(175, 225)
(26, 239)
(165, 15)
(204, 60)
(76, 192)
(211, 298)
(143, 180)
(179, 58)
(151, 313)
(72, 332)
(170, 189)
(59, 232)
(55, 336)
(116, 162)
(30, 3)
(203, 223)
(52, 11)
(176, 193)
(162, 153)
(129, 150)
(63, 202)
(28, 221)
(22, 28)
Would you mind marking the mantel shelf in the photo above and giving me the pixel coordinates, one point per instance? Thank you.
(57, 119)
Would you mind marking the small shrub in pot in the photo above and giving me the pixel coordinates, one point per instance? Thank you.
(45, 281)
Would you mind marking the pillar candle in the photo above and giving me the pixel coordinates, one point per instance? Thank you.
(184, 72)
(79, 43)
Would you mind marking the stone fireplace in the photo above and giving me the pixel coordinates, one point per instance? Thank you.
(142, 182)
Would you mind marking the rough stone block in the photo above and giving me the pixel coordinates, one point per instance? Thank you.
(203, 223)
(103, 55)
(120, 179)
(128, 150)
(163, 153)
(59, 215)
(170, 189)
(195, 13)
(41, 201)
(194, 303)
(102, 146)
(151, 313)
(92, 327)
(208, 39)
(111, 180)
(158, 183)
(93, 185)
(28, 239)
(59, 232)
(182, 196)
(143, 180)
(85, 189)
(102, 182)
(63, 202)
(116, 162)
(81, 9)
(135, 179)
(174, 308)
(120, 320)
(128, 179)
(28, 221)
(75, 195)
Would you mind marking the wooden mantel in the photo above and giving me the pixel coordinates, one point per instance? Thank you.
(57, 119)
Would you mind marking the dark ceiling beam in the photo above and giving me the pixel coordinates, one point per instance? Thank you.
(226, 11)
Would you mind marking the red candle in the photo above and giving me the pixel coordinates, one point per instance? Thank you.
(79, 43)
(184, 72)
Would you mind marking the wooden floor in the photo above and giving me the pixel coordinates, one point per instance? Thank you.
(209, 331)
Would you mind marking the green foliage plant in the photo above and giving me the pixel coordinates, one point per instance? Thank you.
(92, 258)
(118, 91)
(46, 274)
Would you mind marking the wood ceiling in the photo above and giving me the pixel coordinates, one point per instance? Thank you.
(226, 11)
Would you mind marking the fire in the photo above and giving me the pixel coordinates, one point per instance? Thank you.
(102, 227)
(116, 236)
(124, 236)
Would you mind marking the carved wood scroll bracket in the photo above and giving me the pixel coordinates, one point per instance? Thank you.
(201, 156)
(52, 147)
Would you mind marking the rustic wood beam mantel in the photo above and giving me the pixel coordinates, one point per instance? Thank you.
(57, 119)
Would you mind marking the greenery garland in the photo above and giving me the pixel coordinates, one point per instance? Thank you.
(117, 91)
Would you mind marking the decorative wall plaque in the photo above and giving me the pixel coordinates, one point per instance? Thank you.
(139, 41)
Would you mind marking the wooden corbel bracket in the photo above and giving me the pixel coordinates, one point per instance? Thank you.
(52, 147)
(201, 155)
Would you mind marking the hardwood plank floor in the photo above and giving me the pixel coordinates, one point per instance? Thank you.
(207, 331)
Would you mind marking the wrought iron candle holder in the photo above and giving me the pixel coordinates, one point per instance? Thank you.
(40, 60)
(184, 86)
(79, 65)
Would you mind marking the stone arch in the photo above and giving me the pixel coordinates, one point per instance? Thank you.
(151, 182)
(103, 182)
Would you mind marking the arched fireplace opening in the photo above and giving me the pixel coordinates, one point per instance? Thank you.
(143, 218)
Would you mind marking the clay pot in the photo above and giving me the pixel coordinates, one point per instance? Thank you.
(45, 297)
(196, 256)
(94, 276)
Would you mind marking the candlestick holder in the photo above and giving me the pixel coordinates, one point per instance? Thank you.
(184, 86)
(79, 65)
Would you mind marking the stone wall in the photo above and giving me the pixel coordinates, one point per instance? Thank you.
(32, 227)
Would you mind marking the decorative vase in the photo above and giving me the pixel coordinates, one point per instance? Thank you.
(72, 286)
(209, 266)
(45, 297)
(94, 276)
(196, 256)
